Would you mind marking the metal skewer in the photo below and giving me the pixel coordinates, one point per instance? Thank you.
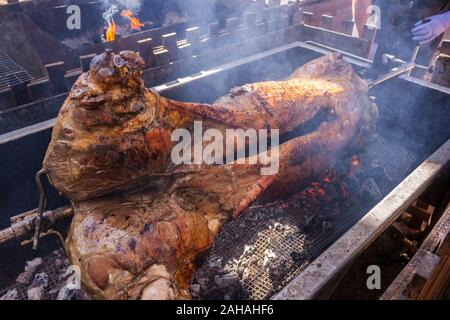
(394, 73)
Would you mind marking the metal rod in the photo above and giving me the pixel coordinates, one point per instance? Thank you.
(394, 73)
(24, 228)
(413, 58)
(41, 208)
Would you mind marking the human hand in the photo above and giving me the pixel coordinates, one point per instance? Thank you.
(429, 29)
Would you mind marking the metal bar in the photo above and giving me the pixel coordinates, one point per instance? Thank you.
(394, 73)
(324, 49)
(426, 84)
(24, 228)
(430, 245)
(333, 261)
(41, 208)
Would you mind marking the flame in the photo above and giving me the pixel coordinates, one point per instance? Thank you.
(111, 31)
(134, 22)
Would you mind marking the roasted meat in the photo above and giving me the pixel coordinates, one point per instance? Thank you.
(141, 220)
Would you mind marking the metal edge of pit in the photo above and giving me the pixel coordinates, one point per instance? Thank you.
(333, 261)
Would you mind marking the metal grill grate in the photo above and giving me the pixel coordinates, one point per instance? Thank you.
(11, 74)
(283, 232)
(54, 266)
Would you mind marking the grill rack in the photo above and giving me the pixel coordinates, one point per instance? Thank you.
(11, 74)
(397, 162)
(50, 266)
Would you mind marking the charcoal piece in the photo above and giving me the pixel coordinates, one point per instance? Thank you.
(10, 295)
(41, 280)
(35, 293)
(30, 269)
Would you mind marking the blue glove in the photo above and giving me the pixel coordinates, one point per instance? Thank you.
(429, 29)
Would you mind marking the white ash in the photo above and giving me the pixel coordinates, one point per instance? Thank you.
(10, 295)
(227, 279)
(46, 278)
(36, 293)
(30, 269)
(41, 280)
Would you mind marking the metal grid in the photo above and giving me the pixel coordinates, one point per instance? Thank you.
(51, 268)
(308, 244)
(11, 74)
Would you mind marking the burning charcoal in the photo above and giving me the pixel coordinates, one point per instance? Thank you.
(378, 173)
(253, 261)
(52, 294)
(240, 271)
(332, 213)
(10, 295)
(203, 281)
(40, 280)
(33, 264)
(228, 296)
(269, 256)
(36, 293)
(215, 265)
(226, 281)
(58, 262)
(30, 269)
(67, 292)
(297, 257)
(370, 190)
(195, 290)
(59, 253)
(326, 225)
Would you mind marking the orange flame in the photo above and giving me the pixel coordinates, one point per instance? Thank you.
(111, 31)
(134, 22)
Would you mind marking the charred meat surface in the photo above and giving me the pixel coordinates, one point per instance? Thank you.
(140, 220)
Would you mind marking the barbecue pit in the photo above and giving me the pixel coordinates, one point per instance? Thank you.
(305, 239)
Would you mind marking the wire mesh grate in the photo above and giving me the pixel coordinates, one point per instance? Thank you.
(54, 266)
(11, 74)
(295, 238)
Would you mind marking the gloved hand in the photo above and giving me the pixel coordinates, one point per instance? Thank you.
(429, 29)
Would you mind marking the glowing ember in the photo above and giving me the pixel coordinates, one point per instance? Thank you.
(355, 161)
(134, 22)
(111, 31)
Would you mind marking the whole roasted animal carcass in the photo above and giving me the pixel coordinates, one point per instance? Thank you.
(140, 219)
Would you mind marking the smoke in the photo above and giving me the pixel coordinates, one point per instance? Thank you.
(133, 5)
(112, 7)
(108, 14)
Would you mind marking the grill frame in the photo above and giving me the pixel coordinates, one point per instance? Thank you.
(313, 281)
(331, 267)
(11, 74)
